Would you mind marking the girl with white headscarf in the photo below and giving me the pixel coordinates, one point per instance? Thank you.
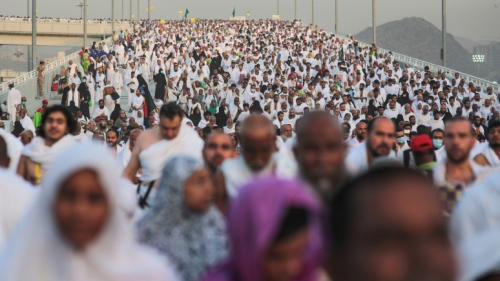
(183, 222)
(77, 230)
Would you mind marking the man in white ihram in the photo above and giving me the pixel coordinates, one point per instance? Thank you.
(13, 99)
(156, 146)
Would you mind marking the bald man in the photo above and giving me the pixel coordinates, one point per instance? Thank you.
(257, 138)
(379, 142)
(320, 152)
(26, 137)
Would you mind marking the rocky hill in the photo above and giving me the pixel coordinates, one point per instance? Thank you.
(420, 39)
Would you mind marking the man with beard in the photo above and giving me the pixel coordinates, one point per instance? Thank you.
(360, 134)
(379, 141)
(218, 148)
(258, 144)
(112, 141)
(291, 118)
(286, 132)
(101, 110)
(388, 225)
(320, 153)
(457, 171)
(54, 135)
(490, 156)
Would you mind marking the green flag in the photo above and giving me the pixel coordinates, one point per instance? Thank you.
(186, 13)
(234, 12)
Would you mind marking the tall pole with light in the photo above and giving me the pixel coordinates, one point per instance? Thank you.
(295, 9)
(112, 19)
(248, 14)
(85, 23)
(443, 53)
(33, 32)
(478, 59)
(149, 10)
(81, 9)
(374, 23)
(336, 18)
(278, 7)
(138, 11)
(312, 11)
(30, 67)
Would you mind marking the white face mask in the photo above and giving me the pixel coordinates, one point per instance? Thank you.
(252, 90)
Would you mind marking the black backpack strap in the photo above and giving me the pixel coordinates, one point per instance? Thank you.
(143, 199)
(406, 158)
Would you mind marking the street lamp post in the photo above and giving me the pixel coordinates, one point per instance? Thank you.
(374, 23)
(248, 14)
(444, 32)
(18, 54)
(81, 9)
(138, 11)
(295, 9)
(312, 11)
(336, 18)
(478, 59)
(112, 19)
(33, 32)
(278, 8)
(30, 67)
(85, 23)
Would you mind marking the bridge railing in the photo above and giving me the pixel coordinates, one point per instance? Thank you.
(434, 68)
(27, 83)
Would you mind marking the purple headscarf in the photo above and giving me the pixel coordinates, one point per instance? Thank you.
(254, 218)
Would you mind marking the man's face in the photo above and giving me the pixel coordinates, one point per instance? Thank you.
(381, 138)
(217, 149)
(320, 153)
(458, 141)
(170, 128)
(55, 126)
(257, 148)
(398, 233)
(287, 131)
(292, 113)
(101, 104)
(361, 130)
(79, 114)
(111, 139)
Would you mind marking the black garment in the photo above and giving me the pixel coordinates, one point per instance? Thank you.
(221, 117)
(116, 112)
(72, 108)
(161, 82)
(83, 89)
(65, 95)
(18, 129)
(195, 118)
(255, 107)
(149, 103)
(404, 99)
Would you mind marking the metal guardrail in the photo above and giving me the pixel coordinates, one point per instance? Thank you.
(27, 83)
(434, 67)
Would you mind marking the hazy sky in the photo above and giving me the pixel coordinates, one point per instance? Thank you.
(474, 19)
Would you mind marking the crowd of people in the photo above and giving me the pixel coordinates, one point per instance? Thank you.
(62, 20)
(268, 150)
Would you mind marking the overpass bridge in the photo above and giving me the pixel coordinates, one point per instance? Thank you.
(55, 33)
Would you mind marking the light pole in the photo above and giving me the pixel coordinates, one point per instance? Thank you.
(33, 32)
(18, 54)
(85, 23)
(444, 32)
(138, 11)
(112, 19)
(478, 59)
(81, 9)
(336, 18)
(374, 23)
(312, 11)
(149, 10)
(278, 8)
(130, 11)
(122, 11)
(248, 14)
(30, 67)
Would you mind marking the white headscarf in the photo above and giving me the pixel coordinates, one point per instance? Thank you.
(37, 251)
(16, 196)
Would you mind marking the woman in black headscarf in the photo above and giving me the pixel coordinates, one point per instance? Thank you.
(221, 117)
(18, 129)
(161, 82)
(84, 91)
(196, 116)
(371, 107)
(404, 99)
(149, 104)
(255, 107)
(116, 112)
